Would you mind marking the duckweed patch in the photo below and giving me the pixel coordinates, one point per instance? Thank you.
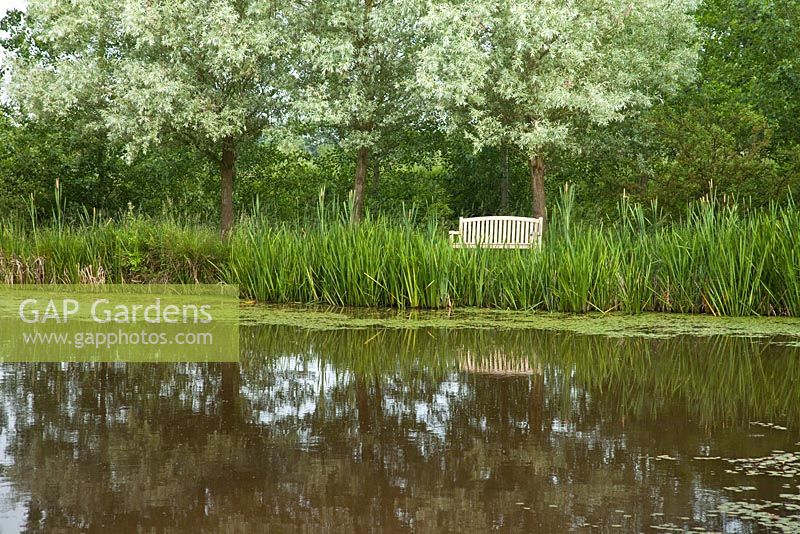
(782, 330)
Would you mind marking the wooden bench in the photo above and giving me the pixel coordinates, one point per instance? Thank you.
(497, 232)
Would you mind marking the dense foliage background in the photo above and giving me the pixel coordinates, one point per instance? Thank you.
(737, 125)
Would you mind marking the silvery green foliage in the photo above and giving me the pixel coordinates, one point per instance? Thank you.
(195, 71)
(522, 71)
(357, 66)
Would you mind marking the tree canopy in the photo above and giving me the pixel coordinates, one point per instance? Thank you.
(205, 74)
(446, 106)
(525, 72)
(357, 66)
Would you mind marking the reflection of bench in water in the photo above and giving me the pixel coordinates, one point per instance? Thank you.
(497, 363)
(508, 371)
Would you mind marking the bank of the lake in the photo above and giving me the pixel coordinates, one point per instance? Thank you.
(717, 261)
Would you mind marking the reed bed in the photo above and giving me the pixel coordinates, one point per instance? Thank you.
(719, 260)
(132, 250)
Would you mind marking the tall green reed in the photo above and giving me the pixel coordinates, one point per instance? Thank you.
(721, 259)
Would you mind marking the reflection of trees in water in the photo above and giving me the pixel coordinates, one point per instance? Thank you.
(100, 444)
(351, 430)
(719, 380)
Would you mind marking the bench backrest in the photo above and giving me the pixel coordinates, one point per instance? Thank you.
(500, 231)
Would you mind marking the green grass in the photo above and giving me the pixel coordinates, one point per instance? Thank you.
(717, 261)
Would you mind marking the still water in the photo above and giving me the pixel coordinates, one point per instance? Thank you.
(424, 430)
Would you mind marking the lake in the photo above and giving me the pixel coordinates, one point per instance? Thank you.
(427, 429)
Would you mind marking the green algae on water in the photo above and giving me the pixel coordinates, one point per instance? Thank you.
(653, 325)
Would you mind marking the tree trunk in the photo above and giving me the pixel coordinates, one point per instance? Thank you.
(362, 404)
(536, 164)
(536, 403)
(362, 161)
(504, 179)
(228, 173)
(229, 396)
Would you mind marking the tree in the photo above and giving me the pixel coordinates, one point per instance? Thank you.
(187, 72)
(522, 73)
(358, 66)
(751, 55)
(734, 126)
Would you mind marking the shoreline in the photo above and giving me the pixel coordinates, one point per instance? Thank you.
(611, 324)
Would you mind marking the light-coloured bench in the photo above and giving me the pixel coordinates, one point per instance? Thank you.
(497, 232)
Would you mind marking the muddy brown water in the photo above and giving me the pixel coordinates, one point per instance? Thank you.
(425, 430)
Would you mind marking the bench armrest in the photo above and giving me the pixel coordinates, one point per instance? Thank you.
(453, 234)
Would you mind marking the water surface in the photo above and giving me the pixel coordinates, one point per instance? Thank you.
(423, 430)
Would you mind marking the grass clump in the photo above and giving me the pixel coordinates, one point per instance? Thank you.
(131, 250)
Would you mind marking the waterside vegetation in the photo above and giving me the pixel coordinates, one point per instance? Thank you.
(720, 260)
